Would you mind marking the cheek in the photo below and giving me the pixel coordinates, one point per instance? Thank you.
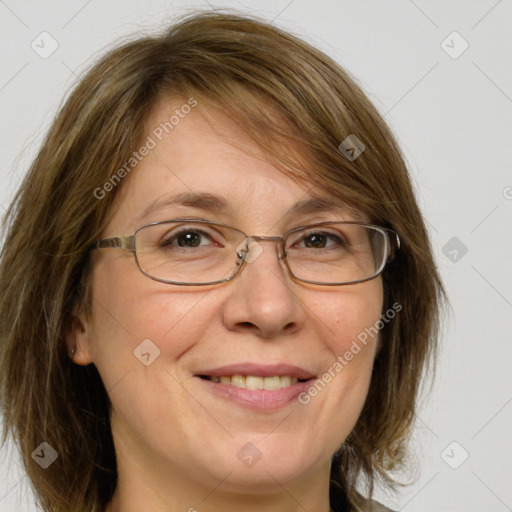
(348, 319)
(349, 329)
(345, 322)
(128, 310)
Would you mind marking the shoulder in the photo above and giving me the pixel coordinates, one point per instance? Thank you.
(375, 506)
(339, 501)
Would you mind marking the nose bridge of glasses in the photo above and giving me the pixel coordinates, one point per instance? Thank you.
(254, 249)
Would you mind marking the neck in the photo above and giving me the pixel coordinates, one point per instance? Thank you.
(135, 495)
(142, 485)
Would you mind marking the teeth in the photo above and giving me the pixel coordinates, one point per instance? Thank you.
(269, 382)
(254, 382)
(286, 381)
(238, 381)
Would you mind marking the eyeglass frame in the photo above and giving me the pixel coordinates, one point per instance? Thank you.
(127, 242)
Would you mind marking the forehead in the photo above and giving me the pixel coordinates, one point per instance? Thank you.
(201, 160)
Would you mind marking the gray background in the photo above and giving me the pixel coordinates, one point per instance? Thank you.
(452, 116)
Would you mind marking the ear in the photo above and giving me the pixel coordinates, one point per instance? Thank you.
(78, 337)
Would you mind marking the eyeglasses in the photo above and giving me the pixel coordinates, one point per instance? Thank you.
(198, 252)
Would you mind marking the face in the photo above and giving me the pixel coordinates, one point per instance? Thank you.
(165, 418)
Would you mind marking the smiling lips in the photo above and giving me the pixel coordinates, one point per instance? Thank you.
(254, 381)
(257, 387)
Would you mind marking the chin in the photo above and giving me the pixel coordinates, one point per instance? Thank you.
(260, 479)
(257, 466)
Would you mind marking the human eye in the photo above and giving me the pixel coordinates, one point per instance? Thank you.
(317, 239)
(188, 237)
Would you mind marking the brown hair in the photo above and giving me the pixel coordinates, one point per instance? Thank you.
(280, 90)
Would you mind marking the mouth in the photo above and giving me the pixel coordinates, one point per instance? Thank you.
(255, 381)
(262, 388)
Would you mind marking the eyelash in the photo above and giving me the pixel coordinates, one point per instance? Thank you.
(166, 242)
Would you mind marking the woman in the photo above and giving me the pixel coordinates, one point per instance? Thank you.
(218, 290)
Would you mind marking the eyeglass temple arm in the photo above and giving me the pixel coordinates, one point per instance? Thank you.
(120, 242)
(395, 245)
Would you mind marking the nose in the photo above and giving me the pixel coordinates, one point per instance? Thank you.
(263, 298)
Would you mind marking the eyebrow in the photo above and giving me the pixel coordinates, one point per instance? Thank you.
(218, 205)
